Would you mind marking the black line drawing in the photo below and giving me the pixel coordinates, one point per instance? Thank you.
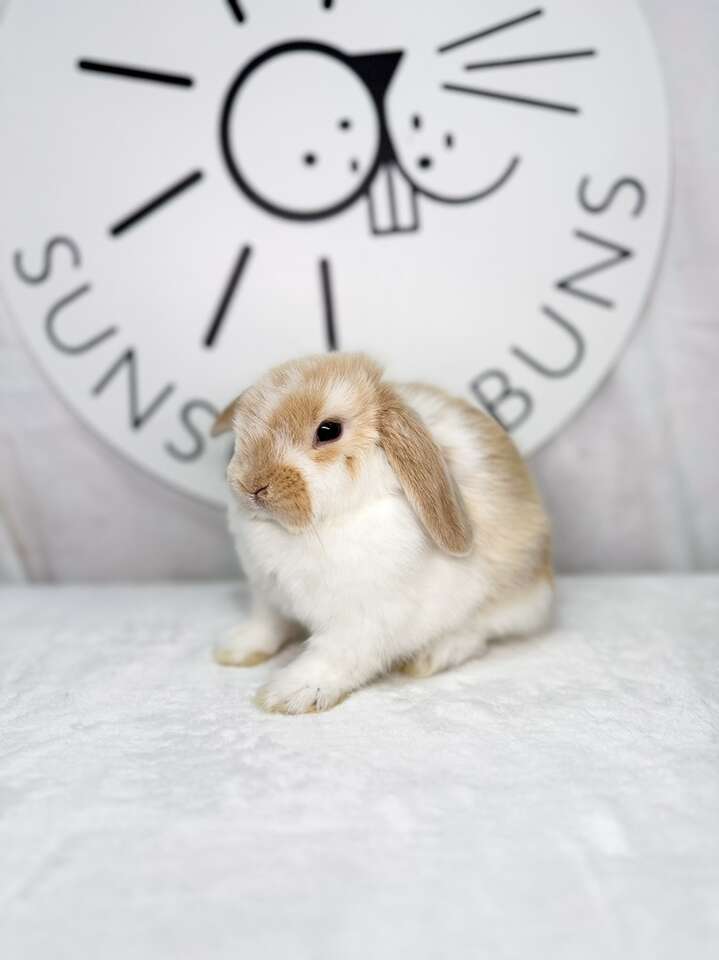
(135, 73)
(619, 254)
(534, 58)
(237, 11)
(488, 31)
(351, 154)
(228, 293)
(155, 203)
(384, 182)
(511, 98)
(328, 304)
(486, 191)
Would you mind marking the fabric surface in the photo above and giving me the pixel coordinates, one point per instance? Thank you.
(558, 798)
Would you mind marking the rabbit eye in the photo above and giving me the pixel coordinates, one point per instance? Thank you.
(328, 431)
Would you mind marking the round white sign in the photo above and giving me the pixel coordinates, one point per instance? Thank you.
(473, 193)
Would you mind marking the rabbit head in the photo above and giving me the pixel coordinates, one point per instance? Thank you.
(317, 437)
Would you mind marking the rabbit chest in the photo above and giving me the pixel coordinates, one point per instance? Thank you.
(316, 576)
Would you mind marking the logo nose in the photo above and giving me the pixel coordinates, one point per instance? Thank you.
(377, 70)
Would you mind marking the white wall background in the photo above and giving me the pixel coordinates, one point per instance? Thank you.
(632, 483)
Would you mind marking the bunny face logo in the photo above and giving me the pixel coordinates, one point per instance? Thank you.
(474, 194)
(305, 158)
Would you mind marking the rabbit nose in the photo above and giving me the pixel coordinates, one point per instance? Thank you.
(260, 490)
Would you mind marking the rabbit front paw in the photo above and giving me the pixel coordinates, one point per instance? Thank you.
(305, 686)
(247, 645)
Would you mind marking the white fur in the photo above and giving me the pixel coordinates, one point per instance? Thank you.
(366, 582)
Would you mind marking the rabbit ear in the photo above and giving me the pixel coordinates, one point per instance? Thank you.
(223, 421)
(423, 475)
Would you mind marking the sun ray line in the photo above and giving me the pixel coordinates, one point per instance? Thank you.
(511, 98)
(488, 31)
(135, 73)
(538, 58)
(237, 11)
(233, 281)
(155, 203)
(328, 304)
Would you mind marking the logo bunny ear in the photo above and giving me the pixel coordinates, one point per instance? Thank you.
(223, 421)
(423, 475)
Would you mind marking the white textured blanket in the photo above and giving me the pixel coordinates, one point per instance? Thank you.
(558, 799)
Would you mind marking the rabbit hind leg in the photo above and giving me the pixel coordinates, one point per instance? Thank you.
(524, 613)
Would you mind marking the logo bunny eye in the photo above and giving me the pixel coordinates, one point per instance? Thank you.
(328, 431)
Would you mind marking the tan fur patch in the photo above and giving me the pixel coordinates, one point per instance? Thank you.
(298, 414)
(227, 659)
(259, 463)
(328, 453)
(287, 495)
(418, 667)
(423, 474)
(223, 422)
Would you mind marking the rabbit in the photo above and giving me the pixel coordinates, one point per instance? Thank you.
(389, 526)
